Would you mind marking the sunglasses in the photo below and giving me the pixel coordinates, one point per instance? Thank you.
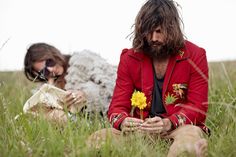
(44, 73)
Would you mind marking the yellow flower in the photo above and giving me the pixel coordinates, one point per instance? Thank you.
(138, 100)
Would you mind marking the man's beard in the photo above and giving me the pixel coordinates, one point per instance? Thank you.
(158, 50)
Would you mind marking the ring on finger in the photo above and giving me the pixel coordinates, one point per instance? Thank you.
(131, 124)
(73, 95)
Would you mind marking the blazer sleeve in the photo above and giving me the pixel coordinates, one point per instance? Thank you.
(120, 105)
(195, 109)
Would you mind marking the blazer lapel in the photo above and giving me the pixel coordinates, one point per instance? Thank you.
(146, 72)
(169, 71)
(180, 56)
(147, 77)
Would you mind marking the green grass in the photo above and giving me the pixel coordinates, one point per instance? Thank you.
(29, 136)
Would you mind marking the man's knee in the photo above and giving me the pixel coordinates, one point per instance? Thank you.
(186, 139)
(99, 137)
(187, 130)
(193, 129)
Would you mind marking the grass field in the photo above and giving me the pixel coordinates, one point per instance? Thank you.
(28, 136)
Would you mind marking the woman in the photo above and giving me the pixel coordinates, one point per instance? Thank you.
(83, 73)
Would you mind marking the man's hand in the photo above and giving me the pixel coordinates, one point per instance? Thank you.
(152, 125)
(156, 125)
(167, 125)
(130, 124)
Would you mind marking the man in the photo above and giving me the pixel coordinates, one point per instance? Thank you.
(173, 75)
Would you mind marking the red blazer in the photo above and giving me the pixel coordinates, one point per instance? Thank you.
(185, 88)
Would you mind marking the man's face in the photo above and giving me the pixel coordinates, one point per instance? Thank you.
(156, 42)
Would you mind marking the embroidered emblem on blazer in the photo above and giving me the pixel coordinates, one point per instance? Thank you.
(178, 89)
(170, 99)
(178, 93)
(181, 53)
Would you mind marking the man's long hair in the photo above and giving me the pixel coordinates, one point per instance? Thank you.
(156, 13)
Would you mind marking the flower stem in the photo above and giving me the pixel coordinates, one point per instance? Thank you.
(141, 114)
(132, 111)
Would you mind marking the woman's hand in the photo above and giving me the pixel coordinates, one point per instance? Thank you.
(74, 98)
(130, 124)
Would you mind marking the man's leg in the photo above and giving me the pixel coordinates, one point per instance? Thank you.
(188, 139)
(98, 138)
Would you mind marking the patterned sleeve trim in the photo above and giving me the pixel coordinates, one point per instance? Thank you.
(117, 118)
(179, 120)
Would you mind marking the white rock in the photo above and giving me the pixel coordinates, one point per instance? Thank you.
(92, 74)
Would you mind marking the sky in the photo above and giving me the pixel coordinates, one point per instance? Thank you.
(103, 26)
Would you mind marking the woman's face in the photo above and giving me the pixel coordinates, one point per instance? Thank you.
(48, 69)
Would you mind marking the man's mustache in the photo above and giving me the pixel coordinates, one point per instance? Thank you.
(156, 43)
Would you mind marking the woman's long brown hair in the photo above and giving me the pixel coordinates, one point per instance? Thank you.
(42, 51)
